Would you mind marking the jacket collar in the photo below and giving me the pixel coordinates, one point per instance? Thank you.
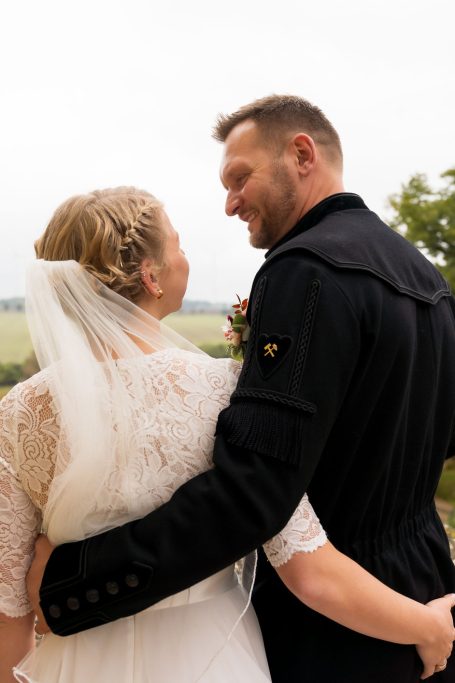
(336, 202)
(360, 241)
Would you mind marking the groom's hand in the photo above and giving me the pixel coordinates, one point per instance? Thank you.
(43, 550)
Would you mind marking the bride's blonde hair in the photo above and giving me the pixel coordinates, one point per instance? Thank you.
(109, 232)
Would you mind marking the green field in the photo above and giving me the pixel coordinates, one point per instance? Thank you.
(199, 328)
(15, 344)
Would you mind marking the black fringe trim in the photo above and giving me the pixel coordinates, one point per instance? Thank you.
(273, 430)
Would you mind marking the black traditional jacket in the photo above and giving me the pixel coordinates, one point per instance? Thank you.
(347, 391)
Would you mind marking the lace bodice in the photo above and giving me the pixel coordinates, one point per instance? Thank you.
(173, 434)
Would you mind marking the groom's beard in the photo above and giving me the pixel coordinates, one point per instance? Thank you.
(277, 204)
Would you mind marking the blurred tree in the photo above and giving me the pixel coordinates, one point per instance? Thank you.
(29, 366)
(10, 373)
(426, 217)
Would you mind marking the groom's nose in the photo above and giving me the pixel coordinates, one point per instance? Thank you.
(232, 203)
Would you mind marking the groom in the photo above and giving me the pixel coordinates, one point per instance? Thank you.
(347, 391)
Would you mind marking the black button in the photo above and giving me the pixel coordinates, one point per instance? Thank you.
(112, 587)
(55, 611)
(73, 604)
(131, 580)
(92, 595)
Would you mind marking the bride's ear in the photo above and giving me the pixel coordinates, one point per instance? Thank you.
(149, 281)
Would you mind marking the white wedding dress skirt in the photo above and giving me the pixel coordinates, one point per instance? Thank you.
(183, 639)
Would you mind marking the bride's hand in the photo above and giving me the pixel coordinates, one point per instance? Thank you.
(43, 550)
(435, 652)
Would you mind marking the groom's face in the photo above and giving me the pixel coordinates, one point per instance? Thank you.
(260, 187)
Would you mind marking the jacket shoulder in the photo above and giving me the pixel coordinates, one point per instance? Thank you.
(359, 240)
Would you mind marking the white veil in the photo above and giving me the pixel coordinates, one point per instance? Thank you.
(81, 332)
(79, 329)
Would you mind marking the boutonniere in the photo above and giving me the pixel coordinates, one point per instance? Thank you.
(237, 330)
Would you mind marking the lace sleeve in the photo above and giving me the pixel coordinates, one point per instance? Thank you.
(302, 534)
(19, 519)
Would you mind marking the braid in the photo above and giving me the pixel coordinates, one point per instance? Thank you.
(131, 232)
(109, 232)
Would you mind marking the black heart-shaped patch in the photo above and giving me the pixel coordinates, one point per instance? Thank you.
(271, 350)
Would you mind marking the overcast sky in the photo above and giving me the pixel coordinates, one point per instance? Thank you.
(98, 93)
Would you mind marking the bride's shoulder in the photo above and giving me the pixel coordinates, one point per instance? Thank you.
(199, 360)
(37, 385)
(39, 382)
(189, 363)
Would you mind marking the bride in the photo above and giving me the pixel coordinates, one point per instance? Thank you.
(122, 413)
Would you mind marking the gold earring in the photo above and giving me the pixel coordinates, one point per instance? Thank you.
(159, 291)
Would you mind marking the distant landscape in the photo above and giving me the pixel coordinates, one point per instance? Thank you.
(199, 321)
(15, 344)
(200, 328)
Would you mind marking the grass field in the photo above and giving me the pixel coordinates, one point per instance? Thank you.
(15, 344)
(199, 328)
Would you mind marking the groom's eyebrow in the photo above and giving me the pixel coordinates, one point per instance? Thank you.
(223, 175)
(231, 170)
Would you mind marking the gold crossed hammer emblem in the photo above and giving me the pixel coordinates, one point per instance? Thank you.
(270, 350)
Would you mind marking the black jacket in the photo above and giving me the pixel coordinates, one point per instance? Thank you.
(347, 391)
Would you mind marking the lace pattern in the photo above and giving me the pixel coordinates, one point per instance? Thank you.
(302, 534)
(19, 518)
(173, 436)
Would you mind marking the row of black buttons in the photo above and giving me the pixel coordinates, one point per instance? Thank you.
(93, 596)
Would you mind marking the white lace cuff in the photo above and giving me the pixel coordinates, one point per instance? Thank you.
(302, 534)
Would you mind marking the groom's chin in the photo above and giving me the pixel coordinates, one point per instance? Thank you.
(260, 241)
(259, 238)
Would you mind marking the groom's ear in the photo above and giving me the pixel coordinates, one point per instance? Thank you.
(304, 152)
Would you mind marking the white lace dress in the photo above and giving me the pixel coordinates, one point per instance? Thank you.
(182, 639)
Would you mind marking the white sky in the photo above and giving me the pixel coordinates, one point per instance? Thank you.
(98, 93)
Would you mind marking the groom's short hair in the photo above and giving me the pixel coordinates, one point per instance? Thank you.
(278, 115)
